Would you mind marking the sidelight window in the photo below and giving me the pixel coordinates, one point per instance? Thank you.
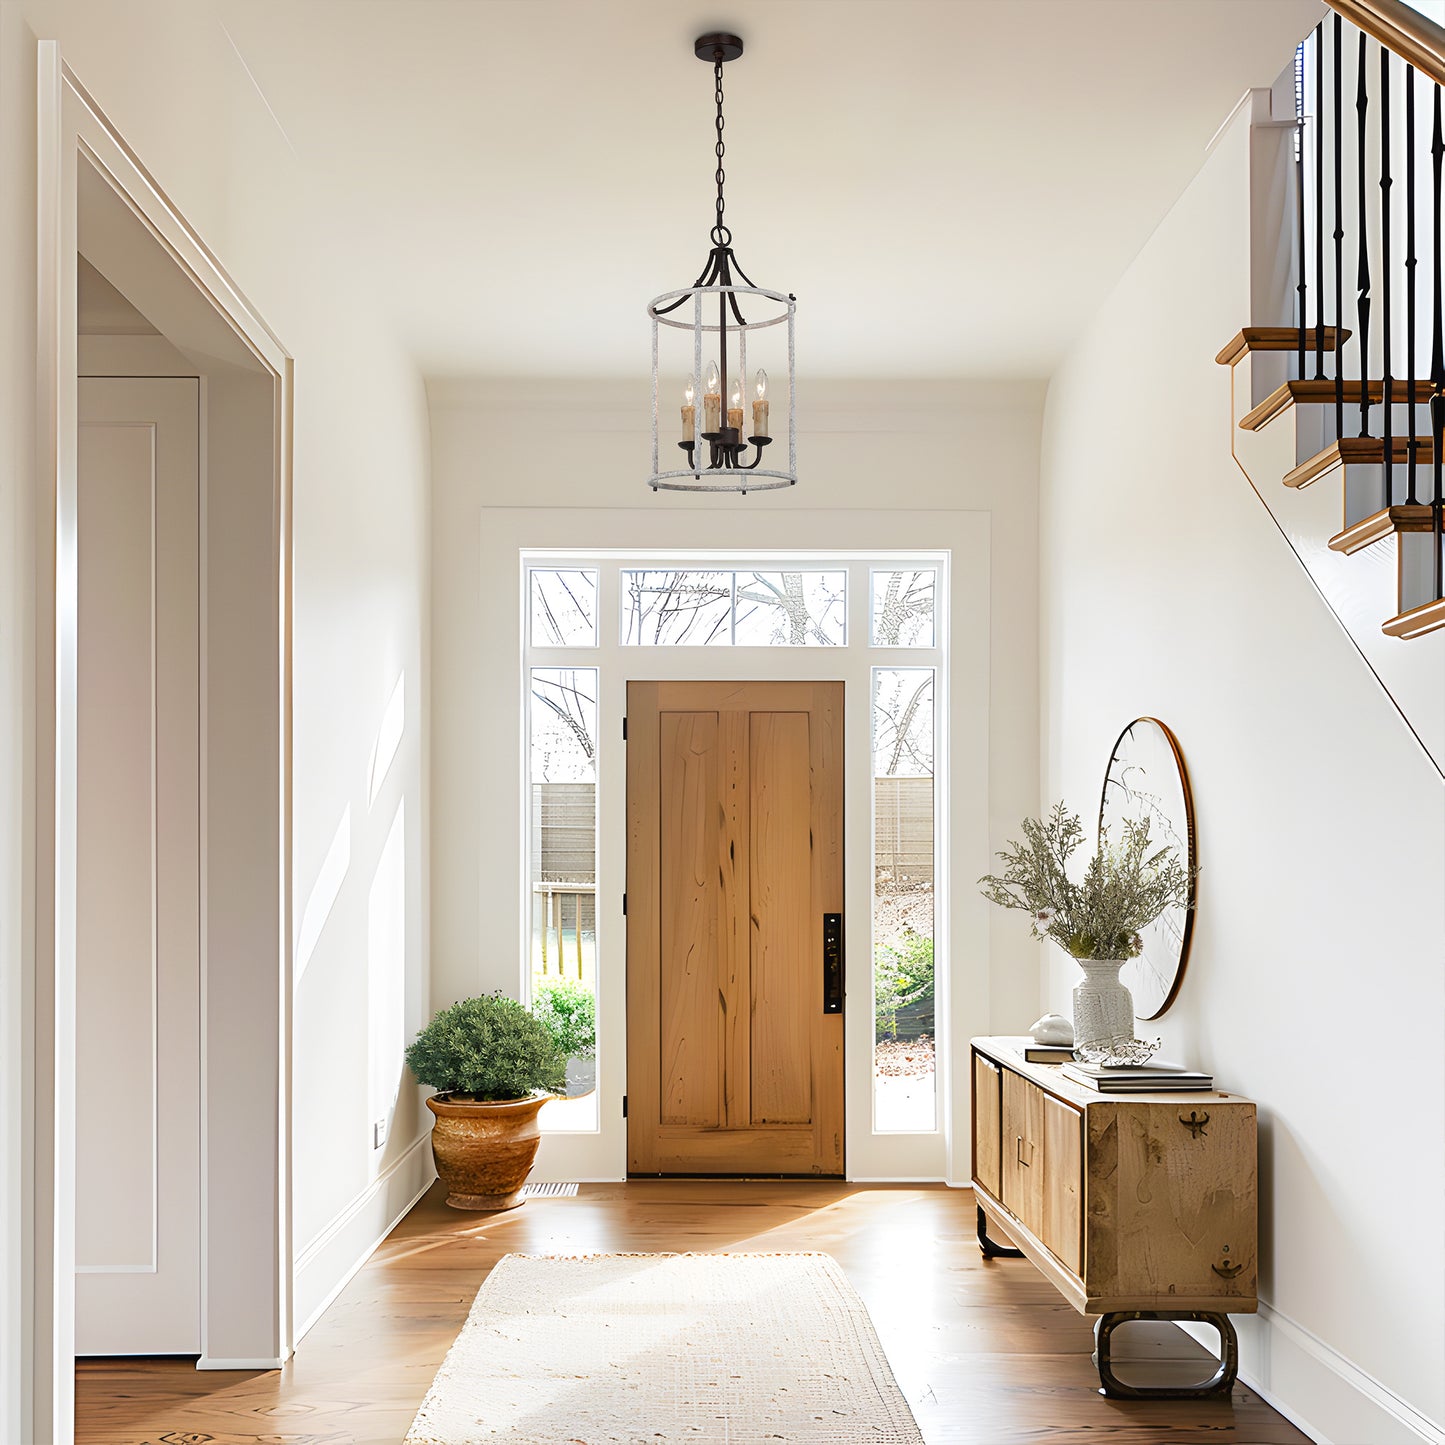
(562, 870)
(904, 853)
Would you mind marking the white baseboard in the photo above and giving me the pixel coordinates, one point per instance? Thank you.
(329, 1262)
(1316, 1388)
(207, 1362)
(892, 1179)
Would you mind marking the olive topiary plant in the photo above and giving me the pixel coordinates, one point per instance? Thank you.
(487, 1049)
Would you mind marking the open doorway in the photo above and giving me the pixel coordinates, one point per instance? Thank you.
(163, 781)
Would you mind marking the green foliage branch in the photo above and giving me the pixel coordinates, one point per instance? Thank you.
(488, 1048)
(902, 977)
(568, 1011)
(1125, 886)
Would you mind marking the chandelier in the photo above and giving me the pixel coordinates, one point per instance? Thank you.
(719, 311)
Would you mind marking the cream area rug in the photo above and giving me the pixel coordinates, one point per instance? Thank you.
(653, 1349)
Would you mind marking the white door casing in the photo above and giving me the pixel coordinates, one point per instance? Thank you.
(138, 1205)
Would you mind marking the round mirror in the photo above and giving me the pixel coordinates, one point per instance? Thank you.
(1146, 779)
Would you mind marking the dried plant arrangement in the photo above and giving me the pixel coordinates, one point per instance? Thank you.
(1125, 886)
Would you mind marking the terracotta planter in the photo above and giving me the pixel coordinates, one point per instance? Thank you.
(484, 1152)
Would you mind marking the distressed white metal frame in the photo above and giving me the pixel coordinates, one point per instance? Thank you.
(73, 130)
(700, 478)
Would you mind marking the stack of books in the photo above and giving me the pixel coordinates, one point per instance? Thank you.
(1155, 1078)
(1046, 1053)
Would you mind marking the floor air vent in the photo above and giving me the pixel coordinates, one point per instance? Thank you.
(550, 1191)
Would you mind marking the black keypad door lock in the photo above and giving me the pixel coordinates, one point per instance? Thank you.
(832, 963)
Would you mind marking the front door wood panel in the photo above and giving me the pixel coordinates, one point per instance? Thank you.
(735, 852)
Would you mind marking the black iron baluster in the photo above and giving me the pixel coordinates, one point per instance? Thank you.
(1437, 358)
(1339, 240)
(1302, 287)
(1319, 203)
(1412, 444)
(1362, 274)
(1385, 183)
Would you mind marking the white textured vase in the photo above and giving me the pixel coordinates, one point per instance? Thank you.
(1103, 1009)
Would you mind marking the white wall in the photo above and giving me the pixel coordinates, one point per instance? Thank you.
(167, 76)
(1315, 984)
(965, 449)
(17, 525)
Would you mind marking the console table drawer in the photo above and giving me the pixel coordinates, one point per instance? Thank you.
(1063, 1181)
(1172, 1204)
(987, 1122)
(1023, 1150)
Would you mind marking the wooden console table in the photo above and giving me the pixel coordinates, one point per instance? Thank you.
(1135, 1206)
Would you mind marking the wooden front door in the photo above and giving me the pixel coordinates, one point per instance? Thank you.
(734, 856)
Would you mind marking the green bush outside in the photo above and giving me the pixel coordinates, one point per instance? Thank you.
(568, 1011)
(488, 1048)
(902, 979)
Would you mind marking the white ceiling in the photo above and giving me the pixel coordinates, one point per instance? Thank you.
(950, 187)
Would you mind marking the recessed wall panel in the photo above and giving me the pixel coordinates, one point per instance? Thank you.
(116, 858)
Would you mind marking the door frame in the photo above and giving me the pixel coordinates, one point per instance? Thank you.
(484, 747)
(247, 1173)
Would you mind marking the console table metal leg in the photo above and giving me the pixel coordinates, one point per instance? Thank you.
(1221, 1383)
(989, 1248)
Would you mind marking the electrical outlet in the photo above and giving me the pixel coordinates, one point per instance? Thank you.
(378, 1134)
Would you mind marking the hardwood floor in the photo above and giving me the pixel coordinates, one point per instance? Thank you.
(986, 1351)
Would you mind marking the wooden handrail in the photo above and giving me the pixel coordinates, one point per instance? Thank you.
(1400, 28)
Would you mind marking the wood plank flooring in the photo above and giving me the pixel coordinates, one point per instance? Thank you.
(986, 1351)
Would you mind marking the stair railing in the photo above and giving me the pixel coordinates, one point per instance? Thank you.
(1385, 142)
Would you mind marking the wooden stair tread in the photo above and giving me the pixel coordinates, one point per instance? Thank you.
(1384, 523)
(1359, 451)
(1417, 621)
(1276, 338)
(1293, 393)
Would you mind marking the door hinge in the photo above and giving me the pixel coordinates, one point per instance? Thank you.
(624, 1106)
(624, 905)
(624, 729)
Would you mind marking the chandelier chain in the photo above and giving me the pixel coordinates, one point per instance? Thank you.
(721, 236)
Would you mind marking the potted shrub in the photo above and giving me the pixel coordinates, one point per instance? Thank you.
(493, 1066)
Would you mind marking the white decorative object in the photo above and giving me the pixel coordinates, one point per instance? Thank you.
(1052, 1029)
(1104, 1016)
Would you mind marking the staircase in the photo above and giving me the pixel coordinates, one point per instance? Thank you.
(1338, 406)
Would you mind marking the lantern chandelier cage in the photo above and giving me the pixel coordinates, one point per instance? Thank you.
(724, 455)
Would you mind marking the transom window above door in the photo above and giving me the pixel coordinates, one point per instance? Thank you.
(730, 607)
(695, 608)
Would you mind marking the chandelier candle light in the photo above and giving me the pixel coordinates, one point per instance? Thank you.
(730, 455)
